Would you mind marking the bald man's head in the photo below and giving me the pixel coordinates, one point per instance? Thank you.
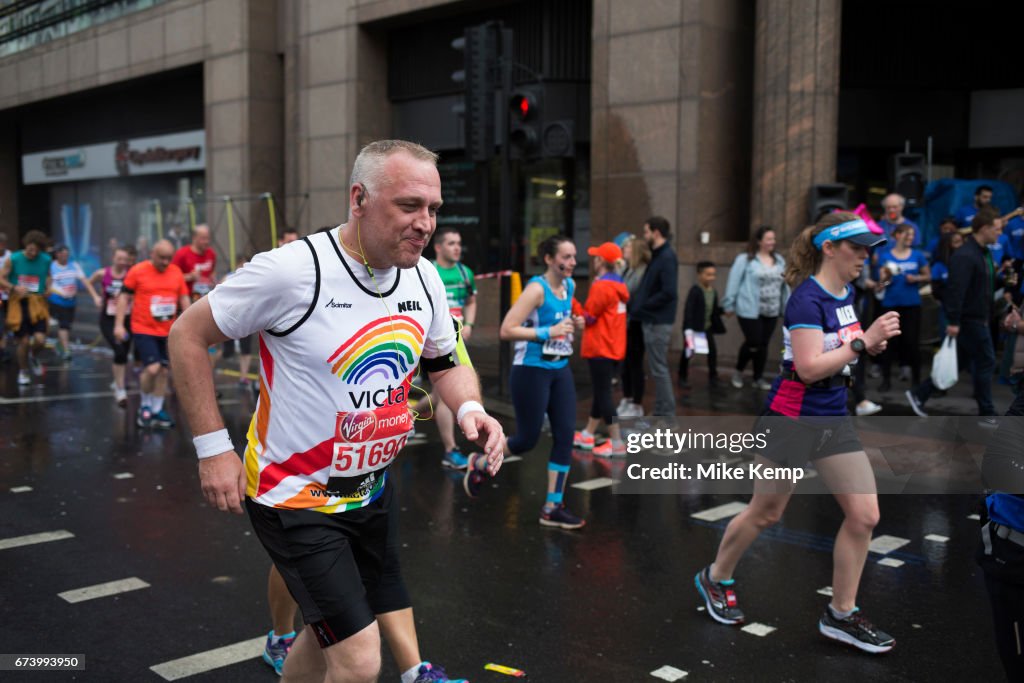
(161, 255)
(201, 238)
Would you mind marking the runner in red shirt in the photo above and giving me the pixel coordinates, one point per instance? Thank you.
(160, 293)
(198, 262)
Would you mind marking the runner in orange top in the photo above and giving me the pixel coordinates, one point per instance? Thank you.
(604, 345)
(160, 292)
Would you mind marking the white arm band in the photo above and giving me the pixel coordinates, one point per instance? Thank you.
(468, 407)
(214, 443)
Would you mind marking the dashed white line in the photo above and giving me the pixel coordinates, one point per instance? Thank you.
(103, 590)
(599, 483)
(32, 539)
(511, 458)
(720, 512)
(827, 591)
(124, 475)
(757, 629)
(938, 538)
(669, 673)
(976, 518)
(886, 544)
(891, 562)
(21, 489)
(210, 660)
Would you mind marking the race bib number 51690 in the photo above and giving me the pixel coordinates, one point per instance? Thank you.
(368, 440)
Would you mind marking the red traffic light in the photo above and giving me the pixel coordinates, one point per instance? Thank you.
(523, 105)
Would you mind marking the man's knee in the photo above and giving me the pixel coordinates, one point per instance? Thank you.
(357, 658)
(153, 369)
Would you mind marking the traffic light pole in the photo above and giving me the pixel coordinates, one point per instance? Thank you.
(505, 202)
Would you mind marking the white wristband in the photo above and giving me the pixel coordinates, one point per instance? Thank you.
(214, 443)
(468, 407)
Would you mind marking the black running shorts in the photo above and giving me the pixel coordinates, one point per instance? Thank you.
(795, 441)
(342, 569)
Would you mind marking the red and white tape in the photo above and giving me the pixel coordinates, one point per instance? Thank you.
(499, 273)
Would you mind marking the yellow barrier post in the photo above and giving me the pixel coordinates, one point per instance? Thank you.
(231, 230)
(273, 218)
(515, 287)
(191, 216)
(159, 219)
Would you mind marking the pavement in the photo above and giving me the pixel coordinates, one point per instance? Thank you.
(109, 551)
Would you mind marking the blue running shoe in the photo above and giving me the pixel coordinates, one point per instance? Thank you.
(432, 673)
(275, 653)
(559, 516)
(163, 420)
(454, 459)
(144, 418)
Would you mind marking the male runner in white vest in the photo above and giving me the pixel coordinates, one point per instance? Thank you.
(344, 317)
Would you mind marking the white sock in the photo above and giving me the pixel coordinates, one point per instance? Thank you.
(410, 675)
(156, 403)
(585, 434)
(146, 400)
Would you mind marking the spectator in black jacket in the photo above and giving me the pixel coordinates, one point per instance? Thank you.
(701, 315)
(967, 302)
(654, 305)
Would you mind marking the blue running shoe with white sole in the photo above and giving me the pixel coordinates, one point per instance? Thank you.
(432, 673)
(277, 649)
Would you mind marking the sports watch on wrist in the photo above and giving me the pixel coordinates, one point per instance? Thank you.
(858, 345)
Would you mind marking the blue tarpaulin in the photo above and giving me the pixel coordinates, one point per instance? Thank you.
(943, 197)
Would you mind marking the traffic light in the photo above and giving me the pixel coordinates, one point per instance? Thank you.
(907, 177)
(826, 198)
(525, 109)
(479, 47)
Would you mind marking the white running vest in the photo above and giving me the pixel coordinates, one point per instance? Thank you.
(332, 413)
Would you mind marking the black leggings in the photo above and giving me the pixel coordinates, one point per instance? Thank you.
(905, 346)
(120, 347)
(601, 372)
(757, 334)
(633, 365)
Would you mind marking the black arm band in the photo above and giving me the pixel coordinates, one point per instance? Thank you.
(439, 364)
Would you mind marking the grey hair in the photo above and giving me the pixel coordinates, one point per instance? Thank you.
(367, 169)
(902, 200)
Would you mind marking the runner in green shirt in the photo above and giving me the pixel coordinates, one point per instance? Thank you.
(461, 290)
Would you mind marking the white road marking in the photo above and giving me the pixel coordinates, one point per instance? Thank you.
(59, 397)
(890, 562)
(32, 539)
(21, 489)
(211, 659)
(669, 673)
(592, 484)
(976, 518)
(937, 538)
(103, 590)
(720, 512)
(757, 629)
(124, 475)
(886, 544)
(511, 458)
(827, 590)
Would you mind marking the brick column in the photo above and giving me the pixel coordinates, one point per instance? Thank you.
(796, 108)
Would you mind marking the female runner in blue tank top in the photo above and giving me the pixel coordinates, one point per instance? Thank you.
(806, 409)
(541, 323)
